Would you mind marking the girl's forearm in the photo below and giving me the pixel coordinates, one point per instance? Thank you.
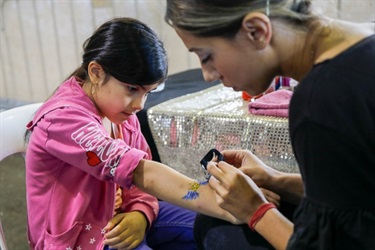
(169, 185)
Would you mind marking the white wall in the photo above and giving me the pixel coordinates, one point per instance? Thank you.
(41, 40)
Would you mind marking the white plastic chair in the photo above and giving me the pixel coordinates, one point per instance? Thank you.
(13, 126)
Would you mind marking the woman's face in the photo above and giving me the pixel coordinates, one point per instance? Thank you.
(118, 101)
(235, 62)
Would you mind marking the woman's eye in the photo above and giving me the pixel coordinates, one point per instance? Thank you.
(205, 60)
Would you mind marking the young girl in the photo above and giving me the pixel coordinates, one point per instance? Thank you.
(86, 150)
(246, 44)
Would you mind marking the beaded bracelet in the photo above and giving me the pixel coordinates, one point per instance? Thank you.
(259, 213)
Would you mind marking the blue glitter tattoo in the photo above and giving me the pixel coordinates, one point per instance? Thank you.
(192, 193)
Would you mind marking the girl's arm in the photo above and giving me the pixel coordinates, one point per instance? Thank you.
(169, 185)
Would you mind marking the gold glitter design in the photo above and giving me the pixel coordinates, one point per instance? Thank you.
(194, 186)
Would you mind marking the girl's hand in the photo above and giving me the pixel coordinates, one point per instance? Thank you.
(126, 230)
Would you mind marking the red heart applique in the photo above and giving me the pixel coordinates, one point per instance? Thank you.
(92, 159)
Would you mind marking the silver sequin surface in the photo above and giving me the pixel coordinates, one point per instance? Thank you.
(185, 128)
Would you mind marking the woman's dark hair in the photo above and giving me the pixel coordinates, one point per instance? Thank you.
(223, 18)
(128, 50)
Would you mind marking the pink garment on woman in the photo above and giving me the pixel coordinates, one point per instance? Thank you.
(72, 168)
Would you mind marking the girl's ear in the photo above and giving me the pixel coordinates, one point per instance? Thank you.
(258, 28)
(95, 72)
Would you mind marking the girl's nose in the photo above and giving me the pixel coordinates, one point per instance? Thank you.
(139, 103)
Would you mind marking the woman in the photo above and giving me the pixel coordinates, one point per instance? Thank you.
(245, 44)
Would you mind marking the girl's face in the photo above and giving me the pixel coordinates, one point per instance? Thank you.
(118, 101)
(235, 62)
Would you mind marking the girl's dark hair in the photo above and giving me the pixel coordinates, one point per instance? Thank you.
(128, 50)
(223, 18)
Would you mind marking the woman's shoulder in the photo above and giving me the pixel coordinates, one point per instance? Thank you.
(344, 37)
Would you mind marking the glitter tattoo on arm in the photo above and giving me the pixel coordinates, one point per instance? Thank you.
(192, 193)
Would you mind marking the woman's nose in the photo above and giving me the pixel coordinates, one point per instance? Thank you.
(210, 75)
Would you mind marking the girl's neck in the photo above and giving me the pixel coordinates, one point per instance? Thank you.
(107, 125)
(88, 88)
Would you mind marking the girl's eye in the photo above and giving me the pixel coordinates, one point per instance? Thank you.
(132, 88)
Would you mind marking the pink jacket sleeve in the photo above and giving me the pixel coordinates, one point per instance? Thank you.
(135, 199)
(79, 139)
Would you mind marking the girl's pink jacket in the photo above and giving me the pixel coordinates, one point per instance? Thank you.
(72, 168)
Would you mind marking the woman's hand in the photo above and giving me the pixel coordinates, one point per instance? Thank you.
(252, 166)
(126, 230)
(235, 191)
(271, 197)
(288, 186)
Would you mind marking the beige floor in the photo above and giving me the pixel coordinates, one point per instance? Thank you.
(12, 202)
